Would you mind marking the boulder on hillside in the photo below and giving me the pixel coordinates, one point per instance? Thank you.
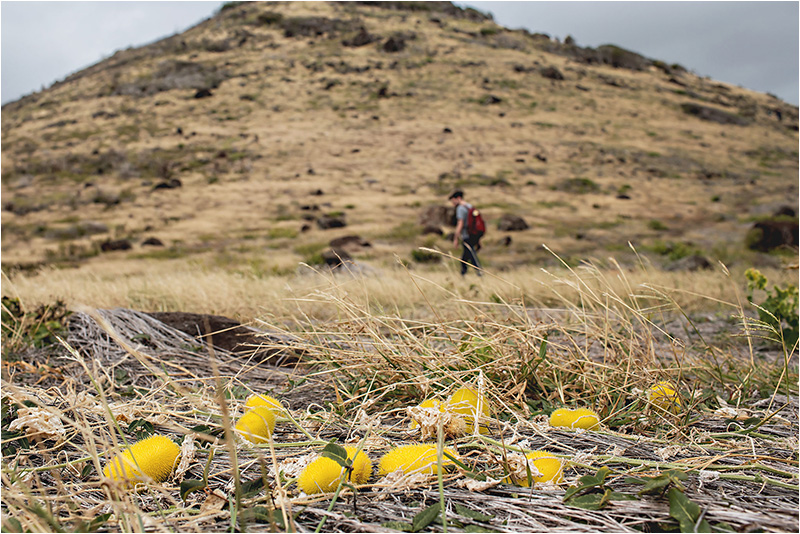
(115, 244)
(772, 234)
(152, 242)
(689, 263)
(511, 223)
(349, 243)
(335, 257)
(707, 113)
(326, 222)
(435, 216)
(551, 73)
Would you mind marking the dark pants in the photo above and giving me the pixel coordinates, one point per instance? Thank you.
(470, 254)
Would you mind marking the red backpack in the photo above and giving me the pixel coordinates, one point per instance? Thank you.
(475, 224)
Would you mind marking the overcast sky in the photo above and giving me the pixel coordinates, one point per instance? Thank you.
(751, 44)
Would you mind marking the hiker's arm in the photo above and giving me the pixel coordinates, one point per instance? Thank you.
(459, 227)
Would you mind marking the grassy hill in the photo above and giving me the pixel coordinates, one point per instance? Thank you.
(229, 143)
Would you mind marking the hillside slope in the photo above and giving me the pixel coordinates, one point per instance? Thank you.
(239, 140)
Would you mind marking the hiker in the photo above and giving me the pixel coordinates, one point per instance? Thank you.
(471, 242)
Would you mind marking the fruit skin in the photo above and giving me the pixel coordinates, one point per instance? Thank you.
(427, 403)
(577, 418)
(263, 400)
(414, 458)
(464, 402)
(322, 475)
(256, 425)
(663, 395)
(549, 467)
(151, 458)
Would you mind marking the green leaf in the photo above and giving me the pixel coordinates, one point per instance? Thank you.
(397, 525)
(87, 470)
(190, 485)
(337, 453)
(590, 501)
(12, 524)
(654, 484)
(425, 517)
(588, 482)
(141, 428)
(472, 514)
(686, 512)
(252, 487)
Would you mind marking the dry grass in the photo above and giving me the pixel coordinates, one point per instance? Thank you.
(604, 339)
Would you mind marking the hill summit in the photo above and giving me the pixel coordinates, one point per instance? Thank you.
(272, 130)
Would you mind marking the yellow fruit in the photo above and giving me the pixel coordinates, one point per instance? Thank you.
(263, 400)
(153, 458)
(577, 418)
(323, 474)
(465, 403)
(415, 458)
(256, 425)
(549, 467)
(664, 396)
(427, 403)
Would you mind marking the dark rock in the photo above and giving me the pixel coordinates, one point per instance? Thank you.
(713, 114)
(772, 234)
(327, 222)
(689, 263)
(349, 243)
(203, 93)
(551, 73)
(117, 244)
(447, 130)
(174, 183)
(395, 43)
(336, 257)
(491, 99)
(362, 38)
(437, 216)
(152, 242)
(506, 242)
(317, 193)
(305, 228)
(785, 211)
(511, 223)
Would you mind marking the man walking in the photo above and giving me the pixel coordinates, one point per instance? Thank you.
(470, 242)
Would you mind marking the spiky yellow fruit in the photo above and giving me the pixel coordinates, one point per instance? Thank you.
(574, 418)
(412, 459)
(466, 403)
(323, 474)
(663, 395)
(549, 467)
(152, 458)
(427, 403)
(256, 425)
(263, 400)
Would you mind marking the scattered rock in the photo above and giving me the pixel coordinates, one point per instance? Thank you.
(203, 93)
(152, 242)
(689, 263)
(115, 244)
(349, 243)
(437, 216)
(327, 222)
(335, 257)
(772, 234)
(173, 183)
(431, 229)
(707, 113)
(551, 73)
(511, 223)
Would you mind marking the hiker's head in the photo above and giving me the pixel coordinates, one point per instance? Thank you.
(456, 197)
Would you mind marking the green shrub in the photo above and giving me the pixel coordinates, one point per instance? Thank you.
(425, 256)
(779, 309)
(657, 225)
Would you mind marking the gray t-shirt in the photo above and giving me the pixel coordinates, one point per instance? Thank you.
(462, 211)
